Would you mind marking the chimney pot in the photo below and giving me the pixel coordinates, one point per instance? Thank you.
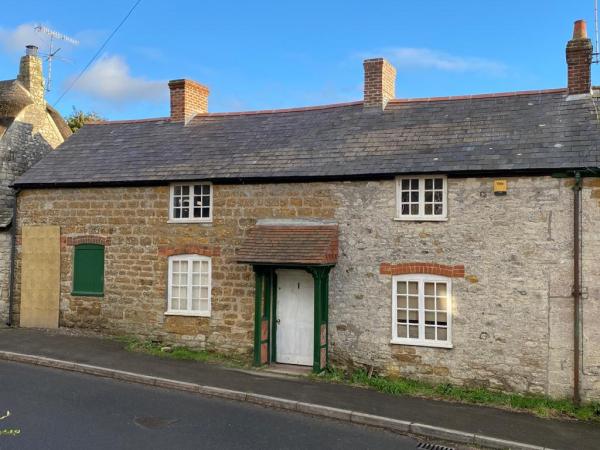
(31, 50)
(580, 30)
(188, 98)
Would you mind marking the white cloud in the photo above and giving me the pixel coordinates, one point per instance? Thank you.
(14, 40)
(110, 79)
(425, 58)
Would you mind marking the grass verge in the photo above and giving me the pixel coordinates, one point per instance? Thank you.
(182, 353)
(539, 405)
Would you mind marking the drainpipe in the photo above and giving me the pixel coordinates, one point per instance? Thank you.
(576, 284)
(13, 251)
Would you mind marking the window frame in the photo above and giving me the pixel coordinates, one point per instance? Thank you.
(79, 293)
(173, 219)
(421, 341)
(190, 258)
(421, 217)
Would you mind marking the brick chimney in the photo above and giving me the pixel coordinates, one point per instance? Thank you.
(380, 83)
(30, 73)
(579, 60)
(188, 98)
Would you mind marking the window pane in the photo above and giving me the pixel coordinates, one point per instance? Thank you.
(204, 267)
(429, 333)
(442, 319)
(405, 197)
(438, 196)
(428, 183)
(429, 303)
(206, 201)
(439, 183)
(204, 292)
(438, 210)
(429, 288)
(414, 196)
(204, 305)
(405, 184)
(414, 209)
(430, 318)
(413, 302)
(185, 190)
(401, 287)
(429, 210)
(198, 189)
(428, 196)
(177, 190)
(413, 331)
(442, 334)
(404, 210)
(442, 304)
(441, 289)
(413, 316)
(401, 316)
(177, 202)
(414, 183)
(413, 288)
(402, 331)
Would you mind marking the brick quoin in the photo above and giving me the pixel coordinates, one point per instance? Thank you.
(190, 250)
(457, 271)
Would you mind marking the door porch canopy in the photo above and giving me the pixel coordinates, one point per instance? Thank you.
(307, 245)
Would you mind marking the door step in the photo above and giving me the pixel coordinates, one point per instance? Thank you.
(288, 369)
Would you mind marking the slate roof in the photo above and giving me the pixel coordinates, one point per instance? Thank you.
(290, 244)
(527, 131)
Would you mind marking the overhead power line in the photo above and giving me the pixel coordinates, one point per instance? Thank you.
(91, 61)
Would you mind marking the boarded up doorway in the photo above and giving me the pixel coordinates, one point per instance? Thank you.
(40, 276)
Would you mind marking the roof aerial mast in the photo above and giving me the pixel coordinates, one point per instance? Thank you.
(596, 54)
(54, 35)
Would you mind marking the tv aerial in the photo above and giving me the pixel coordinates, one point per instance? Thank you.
(54, 36)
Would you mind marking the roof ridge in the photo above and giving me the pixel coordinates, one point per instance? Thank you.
(478, 96)
(110, 122)
(282, 110)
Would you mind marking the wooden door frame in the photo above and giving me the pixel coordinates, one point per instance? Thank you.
(265, 308)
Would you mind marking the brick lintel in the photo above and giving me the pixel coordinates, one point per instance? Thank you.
(456, 271)
(86, 239)
(191, 249)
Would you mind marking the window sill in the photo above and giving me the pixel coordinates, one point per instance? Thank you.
(187, 313)
(207, 221)
(421, 219)
(420, 343)
(87, 294)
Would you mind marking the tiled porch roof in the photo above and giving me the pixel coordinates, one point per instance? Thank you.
(290, 244)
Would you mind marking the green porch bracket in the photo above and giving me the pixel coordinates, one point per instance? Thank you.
(321, 330)
(262, 314)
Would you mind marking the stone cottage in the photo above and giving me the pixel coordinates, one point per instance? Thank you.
(29, 129)
(447, 239)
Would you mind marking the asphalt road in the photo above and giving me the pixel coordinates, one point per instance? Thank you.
(54, 409)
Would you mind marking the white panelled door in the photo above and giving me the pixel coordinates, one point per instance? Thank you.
(295, 317)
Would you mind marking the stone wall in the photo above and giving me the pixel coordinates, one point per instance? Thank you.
(31, 136)
(512, 309)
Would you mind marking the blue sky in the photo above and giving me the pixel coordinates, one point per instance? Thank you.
(276, 54)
